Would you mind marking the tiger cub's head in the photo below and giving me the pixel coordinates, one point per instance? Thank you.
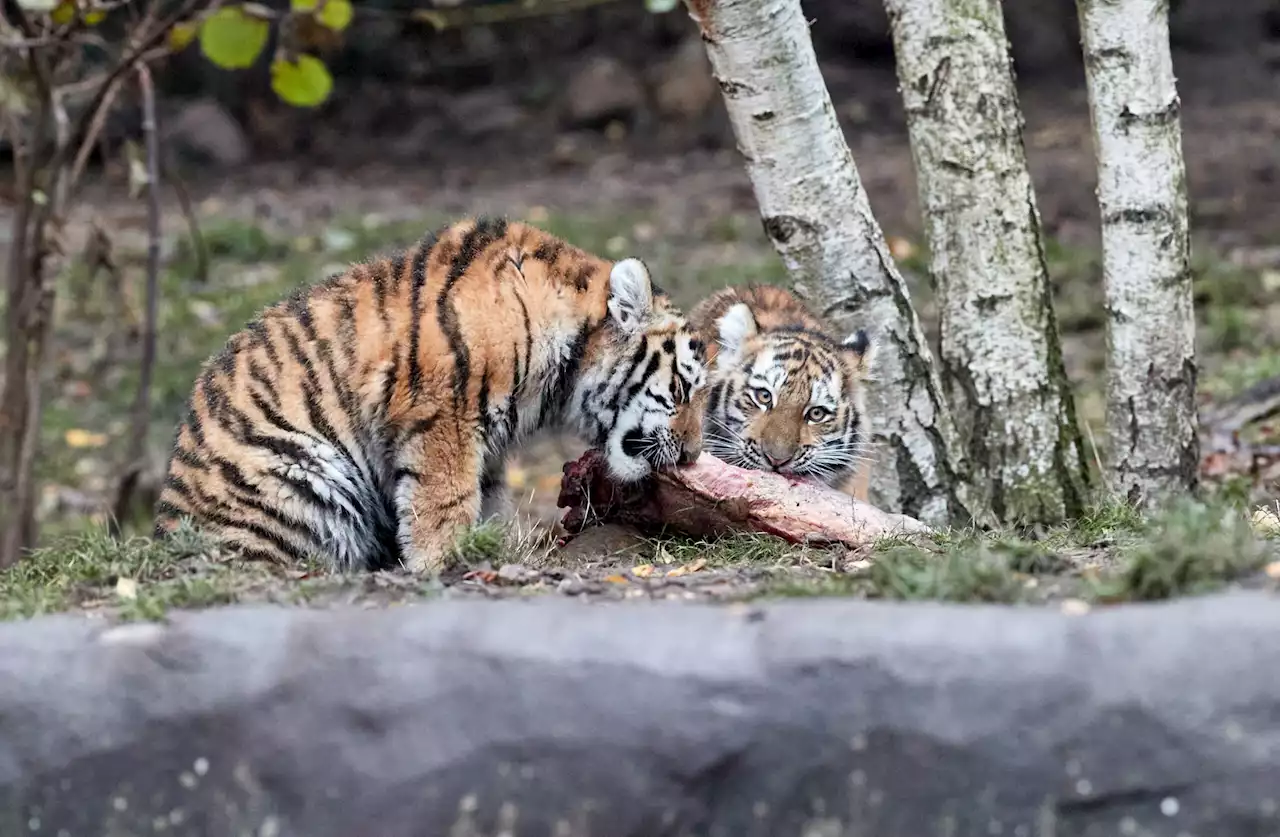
(635, 396)
(787, 399)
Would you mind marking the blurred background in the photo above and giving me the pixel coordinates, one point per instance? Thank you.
(599, 120)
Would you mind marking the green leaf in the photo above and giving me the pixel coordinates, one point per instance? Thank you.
(336, 14)
(304, 83)
(232, 39)
(181, 35)
(660, 6)
(94, 18)
(63, 13)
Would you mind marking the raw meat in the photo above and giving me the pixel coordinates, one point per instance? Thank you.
(711, 497)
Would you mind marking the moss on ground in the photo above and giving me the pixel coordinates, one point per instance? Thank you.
(1109, 556)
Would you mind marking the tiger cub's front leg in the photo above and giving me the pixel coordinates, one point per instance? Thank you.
(437, 492)
(495, 498)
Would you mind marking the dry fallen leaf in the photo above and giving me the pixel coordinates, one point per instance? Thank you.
(1272, 570)
(642, 570)
(687, 568)
(664, 556)
(126, 588)
(77, 438)
(517, 477)
(615, 579)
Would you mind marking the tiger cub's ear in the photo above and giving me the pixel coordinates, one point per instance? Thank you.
(736, 326)
(630, 295)
(860, 350)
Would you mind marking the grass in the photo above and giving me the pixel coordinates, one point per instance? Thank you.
(139, 576)
(1110, 555)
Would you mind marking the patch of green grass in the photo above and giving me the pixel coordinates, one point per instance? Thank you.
(1217, 283)
(978, 575)
(481, 543)
(825, 585)
(494, 543)
(88, 566)
(230, 240)
(731, 550)
(1190, 548)
(1229, 327)
(1113, 553)
(1241, 370)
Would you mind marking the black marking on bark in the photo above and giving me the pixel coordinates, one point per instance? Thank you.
(734, 89)
(975, 437)
(955, 167)
(987, 304)
(764, 116)
(1167, 115)
(1158, 214)
(1108, 57)
(781, 229)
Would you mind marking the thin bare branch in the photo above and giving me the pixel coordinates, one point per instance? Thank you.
(145, 42)
(193, 223)
(89, 140)
(142, 403)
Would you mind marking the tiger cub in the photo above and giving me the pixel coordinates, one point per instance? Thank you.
(363, 421)
(782, 393)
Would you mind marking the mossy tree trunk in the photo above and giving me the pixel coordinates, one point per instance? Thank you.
(817, 215)
(1001, 359)
(1142, 195)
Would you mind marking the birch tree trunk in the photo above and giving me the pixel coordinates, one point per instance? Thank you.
(816, 213)
(1142, 195)
(1001, 360)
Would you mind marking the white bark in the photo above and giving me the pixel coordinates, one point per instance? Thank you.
(817, 215)
(1001, 360)
(1142, 195)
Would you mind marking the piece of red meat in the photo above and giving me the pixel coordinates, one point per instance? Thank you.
(711, 498)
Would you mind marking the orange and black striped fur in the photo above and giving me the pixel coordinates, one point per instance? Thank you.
(783, 394)
(363, 421)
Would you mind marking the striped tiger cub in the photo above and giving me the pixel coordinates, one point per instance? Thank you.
(363, 421)
(783, 394)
